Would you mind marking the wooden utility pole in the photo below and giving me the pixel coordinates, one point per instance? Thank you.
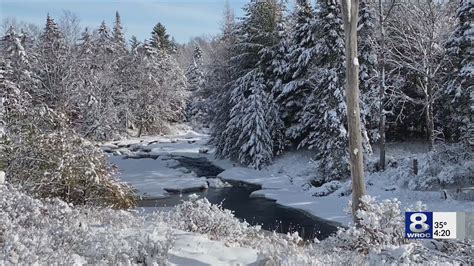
(350, 11)
(382, 89)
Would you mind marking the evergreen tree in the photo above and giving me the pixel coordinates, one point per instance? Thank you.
(324, 119)
(119, 37)
(248, 122)
(300, 58)
(368, 71)
(103, 37)
(251, 90)
(52, 65)
(134, 43)
(218, 80)
(13, 51)
(160, 39)
(457, 115)
(159, 90)
(198, 108)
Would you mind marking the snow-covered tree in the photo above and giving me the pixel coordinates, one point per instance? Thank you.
(324, 120)
(249, 138)
(198, 107)
(296, 76)
(134, 43)
(418, 32)
(369, 90)
(159, 90)
(13, 51)
(13, 111)
(457, 117)
(98, 106)
(160, 39)
(53, 67)
(119, 37)
(257, 36)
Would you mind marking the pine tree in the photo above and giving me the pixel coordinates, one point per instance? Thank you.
(13, 50)
(198, 107)
(300, 58)
(325, 120)
(160, 39)
(368, 71)
(119, 37)
(218, 79)
(257, 36)
(52, 65)
(458, 120)
(13, 111)
(134, 43)
(103, 34)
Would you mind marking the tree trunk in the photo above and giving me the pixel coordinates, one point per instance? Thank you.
(429, 111)
(140, 129)
(430, 125)
(350, 10)
(382, 90)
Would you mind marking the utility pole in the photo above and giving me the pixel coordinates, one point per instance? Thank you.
(350, 11)
(382, 89)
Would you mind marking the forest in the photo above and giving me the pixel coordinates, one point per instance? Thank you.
(266, 95)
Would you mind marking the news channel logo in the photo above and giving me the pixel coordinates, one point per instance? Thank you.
(439, 225)
(419, 225)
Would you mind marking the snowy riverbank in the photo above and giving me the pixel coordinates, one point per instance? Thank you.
(286, 181)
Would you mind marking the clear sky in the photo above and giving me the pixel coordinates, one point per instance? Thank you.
(183, 18)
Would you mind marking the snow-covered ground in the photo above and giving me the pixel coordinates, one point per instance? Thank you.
(53, 232)
(198, 233)
(286, 181)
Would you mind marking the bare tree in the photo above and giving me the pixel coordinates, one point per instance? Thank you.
(69, 24)
(418, 33)
(350, 10)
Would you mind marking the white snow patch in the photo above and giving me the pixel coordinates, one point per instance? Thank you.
(355, 61)
(356, 151)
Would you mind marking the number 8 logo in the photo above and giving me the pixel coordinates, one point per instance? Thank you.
(418, 222)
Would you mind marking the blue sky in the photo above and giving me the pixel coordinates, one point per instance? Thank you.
(183, 18)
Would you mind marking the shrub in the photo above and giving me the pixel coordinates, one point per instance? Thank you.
(447, 165)
(381, 224)
(205, 218)
(50, 160)
(34, 231)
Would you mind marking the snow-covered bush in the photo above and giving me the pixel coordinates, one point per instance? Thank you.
(213, 220)
(381, 224)
(327, 188)
(51, 231)
(443, 167)
(220, 224)
(59, 163)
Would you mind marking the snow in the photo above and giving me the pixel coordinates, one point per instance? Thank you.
(2, 177)
(355, 61)
(193, 235)
(152, 177)
(286, 181)
(84, 236)
(195, 249)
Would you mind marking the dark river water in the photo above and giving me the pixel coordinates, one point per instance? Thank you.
(255, 210)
